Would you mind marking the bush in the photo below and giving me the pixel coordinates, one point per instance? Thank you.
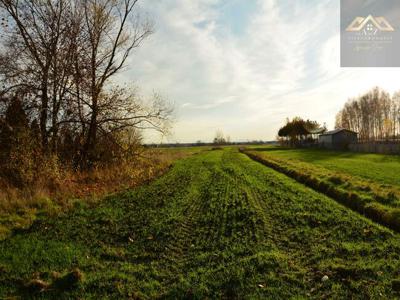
(17, 146)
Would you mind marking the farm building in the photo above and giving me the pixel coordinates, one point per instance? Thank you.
(337, 139)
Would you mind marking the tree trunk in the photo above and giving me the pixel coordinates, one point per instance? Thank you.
(43, 117)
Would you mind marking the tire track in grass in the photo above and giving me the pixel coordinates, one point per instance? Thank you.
(257, 230)
(218, 200)
(252, 198)
(212, 231)
(204, 197)
(220, 209)
(285, 256)
(261, 255)
(288, 255)
(279, 250)
(216, 209)
(257, 234)
(309, 229)
(279, 233)
(177, 250)
(223, 210)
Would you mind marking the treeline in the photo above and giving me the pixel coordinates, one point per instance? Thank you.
(374, 115)
(298, 130)
(57, 99)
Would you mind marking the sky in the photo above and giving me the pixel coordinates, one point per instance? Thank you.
(244, 66)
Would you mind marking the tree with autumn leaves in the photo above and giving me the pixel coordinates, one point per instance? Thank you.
(298, 130)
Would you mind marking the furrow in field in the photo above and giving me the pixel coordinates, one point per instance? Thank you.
(384, 215)
(176, 251)
(314, 234)
(259, 234)
(254, 198)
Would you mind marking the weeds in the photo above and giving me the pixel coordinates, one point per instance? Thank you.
(55, 190)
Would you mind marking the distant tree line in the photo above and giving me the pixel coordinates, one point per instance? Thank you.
(57, 97)
(374, 115)
(298, 130)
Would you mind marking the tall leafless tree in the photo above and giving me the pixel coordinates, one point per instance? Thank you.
(112, 30)
(62, 55)
(375, 115)
(38, 45)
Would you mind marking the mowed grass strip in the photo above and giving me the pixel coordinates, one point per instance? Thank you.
(377, 168)
(375, 199)
(218, 225)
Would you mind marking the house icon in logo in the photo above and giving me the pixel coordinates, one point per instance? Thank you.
(370, 24)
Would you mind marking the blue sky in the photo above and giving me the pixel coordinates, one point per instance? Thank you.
(243, 66)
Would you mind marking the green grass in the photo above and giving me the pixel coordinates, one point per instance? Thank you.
(217, 225)
(330, 172)
(384, 169)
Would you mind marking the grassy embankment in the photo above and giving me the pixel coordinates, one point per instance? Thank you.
(19, 207)
(367, 183)
(217, 225)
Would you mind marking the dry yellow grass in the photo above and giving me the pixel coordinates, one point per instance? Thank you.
(53, 194)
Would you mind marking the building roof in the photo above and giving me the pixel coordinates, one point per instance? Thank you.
(317, 130)
(336, 131)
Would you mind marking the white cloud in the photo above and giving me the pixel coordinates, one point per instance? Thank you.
(284, 63)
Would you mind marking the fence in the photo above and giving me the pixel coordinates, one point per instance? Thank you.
(382, 148)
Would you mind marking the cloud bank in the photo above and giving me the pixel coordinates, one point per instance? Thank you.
(244, 67)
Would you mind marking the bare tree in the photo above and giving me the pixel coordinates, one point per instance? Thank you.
(219, 138)
(374, 115)
(60, 57)
(112, 30)
(38, 45)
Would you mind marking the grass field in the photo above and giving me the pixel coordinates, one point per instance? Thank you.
(384, 169)
(217, 225)
(20, 207)
(365, 182)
